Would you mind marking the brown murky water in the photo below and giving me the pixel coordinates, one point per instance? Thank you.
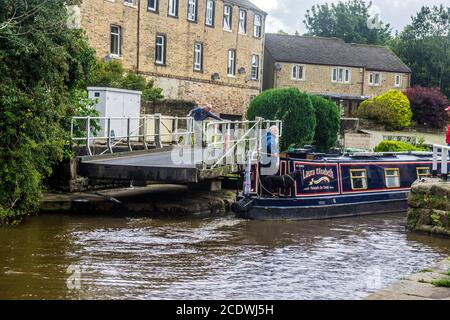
(212, 258)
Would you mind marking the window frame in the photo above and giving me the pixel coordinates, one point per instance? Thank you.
(386, 176)
(233, 67)
(364, 178)
(341, 75)
(399, 77)
(175, 7)
(419, 175)
(119, 40)
(257, 27)
(245, 22)
(130, 3)
(257, 67)
(230, 16)
(213, 13)
(200, 69)
(163, 52)
(151, 9)
(372, 77)
(195, 4)
(297, 68)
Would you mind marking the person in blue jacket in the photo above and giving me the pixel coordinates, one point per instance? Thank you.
(200, 114)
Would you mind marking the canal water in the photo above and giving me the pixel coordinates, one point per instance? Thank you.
(71, 257)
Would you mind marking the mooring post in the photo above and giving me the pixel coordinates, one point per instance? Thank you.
(158, 140)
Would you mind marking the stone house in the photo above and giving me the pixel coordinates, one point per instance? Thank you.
(209, 51)
(345, 72)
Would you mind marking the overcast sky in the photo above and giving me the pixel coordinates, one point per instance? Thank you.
(288, 15)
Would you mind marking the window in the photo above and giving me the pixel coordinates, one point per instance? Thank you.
(173, 8)
(392, 177)
(257, 26)
(340, 75)
(198, 56)
(423, 172)
(153, 5)
(255, 67)
(160, 50)
(115, 48)
(231, 70)
(374, 78)
(132, 3)
(242, 21)
(298, 72)
(192, 10)
(210, 12)
(227, 17)
(398, 80)
(358, 179)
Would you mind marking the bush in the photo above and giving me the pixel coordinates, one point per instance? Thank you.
(427, 105)
(291, 106)
(391, 109)
(327, 123)
(111, 74)
(395, 146)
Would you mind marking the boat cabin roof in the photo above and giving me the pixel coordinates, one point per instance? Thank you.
(365, 156)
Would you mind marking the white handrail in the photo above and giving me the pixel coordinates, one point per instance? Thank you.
(443, 152)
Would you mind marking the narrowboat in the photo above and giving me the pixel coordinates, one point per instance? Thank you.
(331, 186)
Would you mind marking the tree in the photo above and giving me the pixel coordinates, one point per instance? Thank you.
(291, 106)
(41, 63)
(328, 122)
(347, 21)
(428, 106)
(112, 74)
(424, 46)
(281, 31)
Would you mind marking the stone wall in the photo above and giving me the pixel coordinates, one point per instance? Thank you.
(429, 207)
(177, 77)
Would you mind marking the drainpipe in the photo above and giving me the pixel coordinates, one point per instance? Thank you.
(138, 34)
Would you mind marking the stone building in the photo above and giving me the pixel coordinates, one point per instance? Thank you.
(347, 73)
(210, 51)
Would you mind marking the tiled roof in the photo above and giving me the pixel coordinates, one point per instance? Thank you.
(332, 51)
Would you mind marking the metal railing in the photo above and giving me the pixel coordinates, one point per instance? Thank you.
(114, 131)
(443, 153)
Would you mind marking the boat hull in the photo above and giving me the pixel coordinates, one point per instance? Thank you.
(263, 209)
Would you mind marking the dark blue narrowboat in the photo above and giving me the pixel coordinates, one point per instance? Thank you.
(336, 186)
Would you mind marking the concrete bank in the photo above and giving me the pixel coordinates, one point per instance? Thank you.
(429, 207)
(153, 200)
(427, 284)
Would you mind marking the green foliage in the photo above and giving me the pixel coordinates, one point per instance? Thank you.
(424, 45)
(291, 106)
(41, 62)
(328, 122)
(112, 74)
(347, 21)
(445, 282)
(391, 109)
(395, 146)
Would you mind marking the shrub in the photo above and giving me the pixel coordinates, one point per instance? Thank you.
(427, 105)
(391, 109)
(327, 123)
(395, 146)
(291, 106)
(111, 74)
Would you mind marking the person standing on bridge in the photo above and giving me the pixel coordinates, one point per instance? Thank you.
(200, 114)
(447, 139)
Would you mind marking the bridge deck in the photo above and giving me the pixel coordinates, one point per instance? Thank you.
(150, 165)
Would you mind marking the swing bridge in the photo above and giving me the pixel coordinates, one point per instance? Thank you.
(159, 148)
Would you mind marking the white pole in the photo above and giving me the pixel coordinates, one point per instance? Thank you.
(435, 160)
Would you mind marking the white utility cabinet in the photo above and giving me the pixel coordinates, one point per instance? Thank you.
(117, 103)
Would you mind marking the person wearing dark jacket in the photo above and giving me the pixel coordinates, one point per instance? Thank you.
(200, 114)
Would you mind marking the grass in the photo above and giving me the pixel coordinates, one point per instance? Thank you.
(441, 283)
(426, 270)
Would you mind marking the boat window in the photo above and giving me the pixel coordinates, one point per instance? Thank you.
(358, 178)
(392, 177)
(423, 172)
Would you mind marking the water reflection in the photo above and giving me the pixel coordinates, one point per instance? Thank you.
(220, 258)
